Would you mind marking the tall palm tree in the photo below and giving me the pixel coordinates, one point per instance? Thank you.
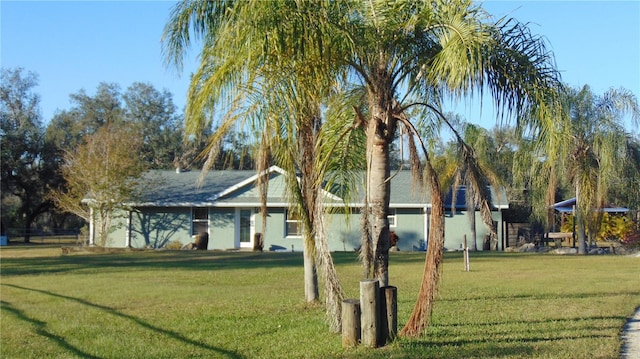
(266, 62)
(410, 55)
(590, 147)
(468, 161)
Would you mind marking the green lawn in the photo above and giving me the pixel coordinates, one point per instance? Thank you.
(188, 304)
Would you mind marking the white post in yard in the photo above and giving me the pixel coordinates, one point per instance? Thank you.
(91, 226)
(466, 255)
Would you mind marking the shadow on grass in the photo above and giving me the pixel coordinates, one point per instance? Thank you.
(170, 260)
(41, 325)
(543, 296)
(41, 329)
(183, 260)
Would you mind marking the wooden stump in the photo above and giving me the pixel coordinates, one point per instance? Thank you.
(389, 314)
(350, 323)
(369, 302)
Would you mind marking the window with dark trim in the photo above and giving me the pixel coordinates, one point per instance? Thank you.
(200, 220)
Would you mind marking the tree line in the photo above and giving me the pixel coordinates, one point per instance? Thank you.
(44, 162)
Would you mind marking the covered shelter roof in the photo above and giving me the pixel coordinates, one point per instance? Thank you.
(568, 205)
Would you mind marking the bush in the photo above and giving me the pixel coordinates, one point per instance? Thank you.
(174, 245)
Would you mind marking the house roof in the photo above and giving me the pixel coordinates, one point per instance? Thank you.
(498, 199)
(234, 188)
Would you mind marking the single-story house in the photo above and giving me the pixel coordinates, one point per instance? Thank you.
(175, 206)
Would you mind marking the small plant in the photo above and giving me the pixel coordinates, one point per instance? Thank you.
(173, 245)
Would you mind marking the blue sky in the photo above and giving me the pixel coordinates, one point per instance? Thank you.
(74, 45)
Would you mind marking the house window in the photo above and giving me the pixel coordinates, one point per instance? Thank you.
(392, 217)
(293, 225)
(200, 220)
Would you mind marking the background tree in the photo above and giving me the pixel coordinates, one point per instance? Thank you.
(25, 172)
(468, 161)
(155, 121)
(101, 175)
(588, 146)
(150, 113)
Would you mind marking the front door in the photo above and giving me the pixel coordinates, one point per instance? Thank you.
(246, 227)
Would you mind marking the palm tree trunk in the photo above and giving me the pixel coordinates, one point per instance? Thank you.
(474, 234)
(379, 190)
(311, 293)
(580, 224)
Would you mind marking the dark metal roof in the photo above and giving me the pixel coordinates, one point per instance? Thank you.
(567, 206)
(498, 201)
(187, 188)
(234, 188)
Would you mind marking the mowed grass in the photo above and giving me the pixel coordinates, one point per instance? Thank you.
(193, 304)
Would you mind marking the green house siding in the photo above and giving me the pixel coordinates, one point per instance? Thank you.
(410, 228)
(118, 231)
(163, 214)
(222, 228)
(343, 231)
(156, 227)
(457, 226)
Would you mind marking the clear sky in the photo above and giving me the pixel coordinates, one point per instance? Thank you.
(74, 45)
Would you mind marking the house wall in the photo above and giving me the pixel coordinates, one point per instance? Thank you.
(457, 226)
(274, 235)
(410, 225)
(156, 227)
(117, 233)
(221, 228)
(151, 227)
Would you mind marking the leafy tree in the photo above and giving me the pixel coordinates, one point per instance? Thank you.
(100, 175)
(154, 120)
(68, 128)
(25, 172)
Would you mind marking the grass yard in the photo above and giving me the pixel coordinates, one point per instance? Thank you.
(193, 304)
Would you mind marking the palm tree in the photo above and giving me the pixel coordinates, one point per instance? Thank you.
(469, 161)
(407, 55)
(410, 55)
(263, 59)
(590, 148)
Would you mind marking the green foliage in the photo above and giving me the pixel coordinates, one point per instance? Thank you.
(585, 143)
(101, 175)
(26, 169)
(613, 227)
